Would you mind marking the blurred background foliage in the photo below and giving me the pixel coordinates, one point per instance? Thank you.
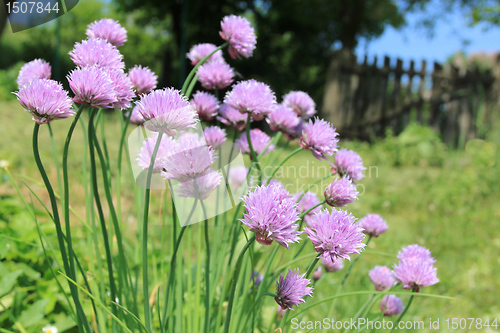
(295, 38)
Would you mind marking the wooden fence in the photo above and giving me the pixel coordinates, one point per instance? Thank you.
(363, 99)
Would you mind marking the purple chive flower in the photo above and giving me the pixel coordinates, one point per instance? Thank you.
(36, 69)
(214, 136)
(252, 97)
(123, 89)
(283, 119)
(296, 132)
(340, 192)
(237, 176)
(143, 79)
(259, 139)
(166, 110)
(331, 266)
(205, 104)
(416, 251)
(231, 117)
(271, 213)
(291, 289)
(335, 235)
(373, 224)
(416, 269)
(46, 100)
(136, 118)
(307, 201)
(215, 75)
(189, 158)
(109, 30)
(348, 163)
(318, 272)
(381, 277)
(98, 52)
(240, 35)
(146, 152)
(92, 86)
(319, 137)
(258, 277)
(200, 51)
(301, 103)
(391, 305)
(201, 187)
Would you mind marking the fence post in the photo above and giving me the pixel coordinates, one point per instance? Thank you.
(383, 92)
(421, 88)
(333, 99)
(436, 96)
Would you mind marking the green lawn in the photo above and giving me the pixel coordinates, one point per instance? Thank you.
(444, 200)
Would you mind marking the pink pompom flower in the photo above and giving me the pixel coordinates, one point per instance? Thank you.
(340, 192)
(205, 104)
(135, 118)
(98, 52)
(200, 187)
(252, 97)
(143, 79)
(109, 30)
(382, 277)
(283, 119)
(123, 89)
(92, 86)
(335, 235)
(291, 289)
(146, 152)
(348, 163)
(231, 117)
(200, 51)
(167, 111)
(319, 137)
(373, 225)
(215, 75)
(331, 266)
(259, 139)
(46, 100)
(240, 35)
(413, 251)
(35, 69)
(415, 269)
(271, 213)
(301, 103)
(214, 136)
(391, 305)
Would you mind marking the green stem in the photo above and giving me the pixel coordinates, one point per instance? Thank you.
(234, 280)
(402, 313)
(123, 266)
(60, 235)
(281, 163)
(346, 275)
(310, 209)
(252, 152)
(171, 272)
(191, 86)
(119, 168)
(207, 272)
(56, 162)
(242, 328)
(278, 154)
(312, 184)
(201, 62)
(97, 199)
(311, 267)
(145, 277)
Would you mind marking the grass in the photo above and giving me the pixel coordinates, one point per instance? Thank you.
(449, 206)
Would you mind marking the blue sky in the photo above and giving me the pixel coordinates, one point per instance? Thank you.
(450, 32)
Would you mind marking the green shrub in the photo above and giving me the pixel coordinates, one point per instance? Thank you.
(8, 82)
